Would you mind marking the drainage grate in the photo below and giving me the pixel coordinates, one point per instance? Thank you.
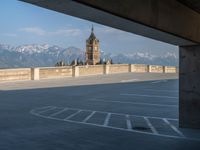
(141, 128)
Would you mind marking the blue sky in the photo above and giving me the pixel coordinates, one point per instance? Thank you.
(23, 23)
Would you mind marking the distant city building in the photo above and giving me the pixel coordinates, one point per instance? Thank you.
(92, 49)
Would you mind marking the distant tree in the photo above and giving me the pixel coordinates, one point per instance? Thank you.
(77, 61)
(111, 61)
(101, 61)
(72, 63)
(60, 64)
(80, 63)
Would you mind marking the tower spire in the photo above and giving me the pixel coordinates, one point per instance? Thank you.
(92, 28)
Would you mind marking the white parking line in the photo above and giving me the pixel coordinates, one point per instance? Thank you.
(59, 112)
(72, 115)
(121, 114)
(173, 91)
(52, 108)
(116, 128)
(133, 103)
(88, 117)
(173, 127)
(150, 125)
(128, 122)
(143, 95)
(42, 108)
(106, 121)
(159, 81)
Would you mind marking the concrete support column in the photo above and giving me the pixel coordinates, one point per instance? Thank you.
(106, 69)
(75, 71)
(189, 87)
(35, 73)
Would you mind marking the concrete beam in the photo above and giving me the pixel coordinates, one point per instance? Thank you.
(168, 21)
(189, 86)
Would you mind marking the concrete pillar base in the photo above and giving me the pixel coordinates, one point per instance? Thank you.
(106, 69)
(189, 87)
(75, 71)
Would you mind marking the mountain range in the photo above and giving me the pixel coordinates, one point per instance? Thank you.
(43, 55)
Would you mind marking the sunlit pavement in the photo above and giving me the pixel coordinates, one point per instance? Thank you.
(114, 112)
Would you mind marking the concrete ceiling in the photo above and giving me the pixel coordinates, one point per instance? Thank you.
(169, 21)
(193, 4)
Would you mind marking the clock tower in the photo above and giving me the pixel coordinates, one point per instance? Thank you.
(92, 49)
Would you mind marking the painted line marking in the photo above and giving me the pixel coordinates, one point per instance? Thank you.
(33, 112)
(150, 125)
(143, 95)
(106, 121)
(128, 122)
(129, 80)
(173, 91)
(134, 103)
(159, 81)
(59, 112)
(120, 114)
(72, 115)
(41, 108)
(110, 127)
(88, 117)
(52, 108)
(173, 127)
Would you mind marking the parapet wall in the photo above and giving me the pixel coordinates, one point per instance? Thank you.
(75, 71)
(170, 69)
(119, 68)
(55, 72)
(156, 69)
(139, 68)
(15, 74)
(91, 70)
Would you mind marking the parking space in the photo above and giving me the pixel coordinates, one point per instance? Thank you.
(119, 115)
(133, 123)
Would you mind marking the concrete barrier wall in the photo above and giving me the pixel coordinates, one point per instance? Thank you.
(119, 68)
(170, 69)
(15, 74)
(139, 68)
(75, 71)
(156, 69)
(91, 70)
(55, 72)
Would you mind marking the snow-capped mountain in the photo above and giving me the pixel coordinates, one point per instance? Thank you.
(32, 48)
(170, 59)
(6, 47)
(45, 55)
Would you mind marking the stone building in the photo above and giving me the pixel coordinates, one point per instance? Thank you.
(92, 49)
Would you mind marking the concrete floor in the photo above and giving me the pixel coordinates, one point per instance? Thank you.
(114, 112)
